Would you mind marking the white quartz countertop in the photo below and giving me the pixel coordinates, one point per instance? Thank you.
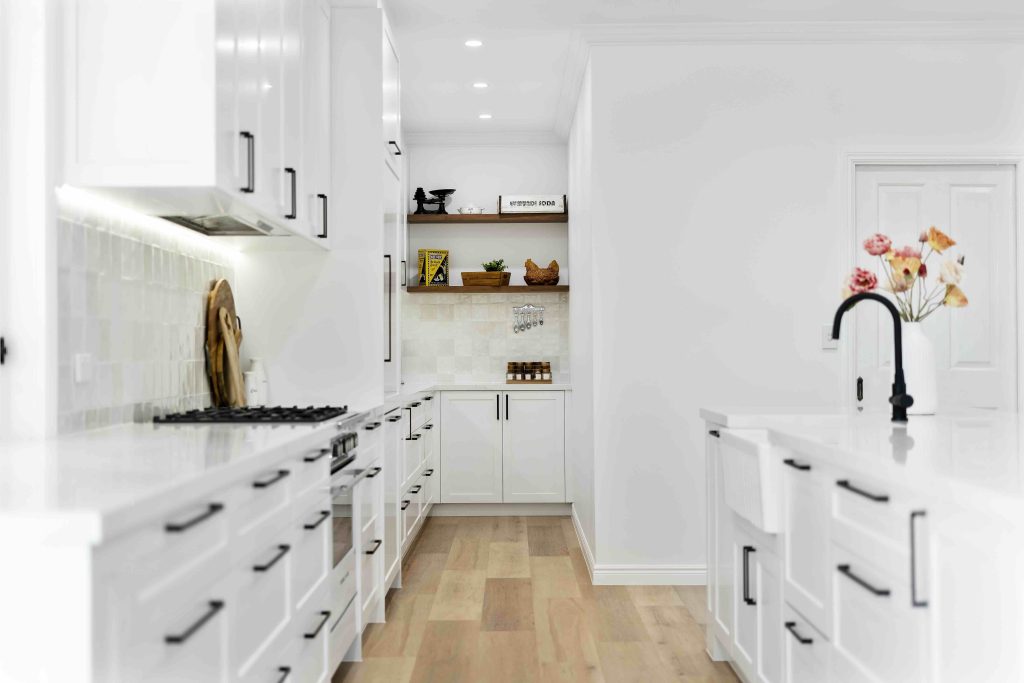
(974, 459)
(93, 484)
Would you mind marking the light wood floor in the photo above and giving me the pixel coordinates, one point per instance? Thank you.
(508, 599)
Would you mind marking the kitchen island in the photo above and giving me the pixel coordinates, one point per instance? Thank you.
(852, 548)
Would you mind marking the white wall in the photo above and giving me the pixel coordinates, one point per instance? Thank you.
(579, 460)
(716, 174)
(479, 173)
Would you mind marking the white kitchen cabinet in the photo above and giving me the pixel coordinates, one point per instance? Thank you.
(391, 86)
(533, 447)
(394, 522)
(471, 443)
(190, 110)
(806, 557)
(315, 183)
(393, 213)
(807, 651)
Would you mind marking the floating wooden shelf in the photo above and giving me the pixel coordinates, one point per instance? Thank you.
(486, 290)
(488, 218)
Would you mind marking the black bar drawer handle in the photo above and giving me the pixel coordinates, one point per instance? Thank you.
(715, 433)
(398, 150)
(428, 427)
(376, 546)
(370, 427)
(791, 627)
(324, 514)
(295, 197)
(323, 232)
(178, 527)
(844, 569)
(323, 622)
(405, 504)
(405, 274)
(267, 483)
(877, 497)
(415, 489)
(414, 437)
(506, 407)
(250, 173)
(282, 550)
(914, 602)
(415, 404)
(428, 473)
(747, 549)
(285, 672)
(395, 418)
(373, 473)
(796, 465)
(428, 398)
(178, 639)
(321, 453)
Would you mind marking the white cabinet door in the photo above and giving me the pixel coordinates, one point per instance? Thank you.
(295, 179)
(270, 181)
(393, 210)
(392, 121)
(392, 474)
(316, 132)
(471, 447)
(806, 515)
(722, 591)
(533, 453)
(768, 595)
(744, 649)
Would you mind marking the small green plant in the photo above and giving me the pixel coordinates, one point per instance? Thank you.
(495, 266)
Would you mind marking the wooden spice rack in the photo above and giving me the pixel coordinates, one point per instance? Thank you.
(535, 370)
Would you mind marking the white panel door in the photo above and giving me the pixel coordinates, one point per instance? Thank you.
(316, 132)
(471, 447)
(270, 180)
(975, 347)
(533, 454)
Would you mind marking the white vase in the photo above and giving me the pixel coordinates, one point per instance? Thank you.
(919, 369)
(259, 377)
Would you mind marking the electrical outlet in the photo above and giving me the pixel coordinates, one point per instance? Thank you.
(827, 342)
(83, 368)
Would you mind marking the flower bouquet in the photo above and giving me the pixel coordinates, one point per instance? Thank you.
(905, 275)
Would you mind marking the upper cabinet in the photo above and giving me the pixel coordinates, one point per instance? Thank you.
(392, 117)
(316, 81)
(197, 110)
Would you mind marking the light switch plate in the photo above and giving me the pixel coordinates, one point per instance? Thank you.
(827, 342)
(83, 368)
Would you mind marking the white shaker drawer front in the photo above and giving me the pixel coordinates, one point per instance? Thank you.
(188, 643)
(312, 470)
(413, 452)
(872, 520)
(312, 539)
(807, 568)
(878, 635)
(312, 628)
(807, 650)
(262, 610)
(262, 507)
(343, 586)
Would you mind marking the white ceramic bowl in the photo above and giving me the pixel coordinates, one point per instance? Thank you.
(467, 209)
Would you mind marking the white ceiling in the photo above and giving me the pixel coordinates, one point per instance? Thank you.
(527, 44)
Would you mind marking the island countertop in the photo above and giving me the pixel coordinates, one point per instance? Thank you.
(973, 458)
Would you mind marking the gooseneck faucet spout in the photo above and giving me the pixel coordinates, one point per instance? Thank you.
(900, 399)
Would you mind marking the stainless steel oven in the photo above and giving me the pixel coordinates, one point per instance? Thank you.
(343, 479)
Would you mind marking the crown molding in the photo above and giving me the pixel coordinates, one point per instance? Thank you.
(483, 139)
(744, 33)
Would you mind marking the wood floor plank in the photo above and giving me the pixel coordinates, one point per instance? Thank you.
(508, 560)
(654, 596)
(402, 633)
(508, 606)
(695, 599)
(460, 596)
(376, 670)
(544, 520)
(633, 663)
(469, 553)
(570, 633)
(569, 532)
(508, 656)
(422, 573)
(570, 672)
(554, 577)
(508, 530)
(546, 540)
(436, 538)
(614, 617)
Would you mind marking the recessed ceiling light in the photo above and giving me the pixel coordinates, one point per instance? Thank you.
(485, 116)
(474, 43)
(481, 85)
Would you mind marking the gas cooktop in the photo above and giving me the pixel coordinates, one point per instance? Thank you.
(259, 415)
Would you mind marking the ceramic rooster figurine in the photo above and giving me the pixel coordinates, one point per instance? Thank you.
(535, 275)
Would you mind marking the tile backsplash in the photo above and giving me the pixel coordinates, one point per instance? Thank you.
(131, 294)
(469, 337)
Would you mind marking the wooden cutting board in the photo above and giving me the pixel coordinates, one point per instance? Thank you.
(223, 340)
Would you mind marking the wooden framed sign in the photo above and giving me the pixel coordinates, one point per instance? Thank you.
(531, 203)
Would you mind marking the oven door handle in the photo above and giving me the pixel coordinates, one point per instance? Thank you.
(335, 468)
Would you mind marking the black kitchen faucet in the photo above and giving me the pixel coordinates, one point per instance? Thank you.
(900, 399)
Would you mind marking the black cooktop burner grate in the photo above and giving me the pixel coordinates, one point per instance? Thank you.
(258, 415)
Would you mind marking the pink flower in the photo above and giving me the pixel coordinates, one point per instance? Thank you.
(861, 280)
(922, 271)
(877, 244)
(923, 237)
(907, 252)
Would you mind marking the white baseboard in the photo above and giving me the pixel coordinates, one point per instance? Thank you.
(499, 509)
(649, 575)
(638, 574)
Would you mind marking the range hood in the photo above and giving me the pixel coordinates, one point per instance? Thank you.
(223, 225)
